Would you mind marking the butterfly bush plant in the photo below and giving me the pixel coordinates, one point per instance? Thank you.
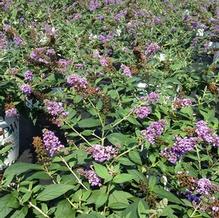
(125, 96)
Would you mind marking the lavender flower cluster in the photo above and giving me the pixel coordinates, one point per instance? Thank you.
(55, 108)
(11, 112)
(51, 142)
(151, 49)
(28, 75)
(204, 186)
(153, 131)
(180, 147)
(76, 81)
(142, 112)
(152, 97)
(183, 102)
(26, 89)
(102, 153)
(126, 70)
(92, 177)
(94, 5)
(43, 55)
(206, 134)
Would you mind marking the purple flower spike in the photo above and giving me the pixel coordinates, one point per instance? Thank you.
(26, 89)
(28, 75)
(77, 82)
(153, 131)
(142, 112)
(102, 153)
(51, 142)
(92, 177)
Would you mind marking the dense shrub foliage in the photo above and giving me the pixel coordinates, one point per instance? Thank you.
(125, 94)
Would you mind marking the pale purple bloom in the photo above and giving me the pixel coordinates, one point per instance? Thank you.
(43, 55)
(55, 108)
(204, 186)
(102, 153)
(76, 16)
(105, 38)
(182, 102)
(18, 40)
(51, 142)
(152, 48)
(77, 82)
(5, 5)
(153, 97)
(12, 112)
(26, 89)
(142, 112)
(63, 64)
(206, 134)
(28, 75)
(126, 70)
(180, 147)
(92, 177)
(3, 41)
(50, 30)
(94, 5)
(104, 62)
(153, 131)
(79, 65)
(120, 15)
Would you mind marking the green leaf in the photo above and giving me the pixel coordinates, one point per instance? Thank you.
(119, 197)
(135, 157)
(53, 191)
(102, 172)
(20, 213)
(123, 177)
(17, 169)
(142, 209)
(65, 210)
(166, 194)
(88, 123)
(120, 139)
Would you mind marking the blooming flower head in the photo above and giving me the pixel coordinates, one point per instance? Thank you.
(26, 89)
(206, 134)
(28, 75)
(153, 131)
(126, 70)
(43, 55)
(76, 81)
(92, 177)
(54, 108)
(102, 153)
(182, 102)
(62, 64)
(104, 61)
(153, 97)
(51, 142)
(11, 112)
(94, 5)
(180, 147)
(204, 186)
(18, 40)
(151, 49)
(142, 112)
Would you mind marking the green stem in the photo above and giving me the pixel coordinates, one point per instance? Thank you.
(199, 159)
(73, 173)
(101, 122)
(38, 209)
(125, 152)
(79, 134)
